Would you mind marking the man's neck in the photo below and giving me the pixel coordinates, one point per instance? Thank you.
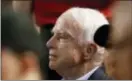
(76, 71)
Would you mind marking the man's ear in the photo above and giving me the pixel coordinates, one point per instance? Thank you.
(89, 51)
(29, 61)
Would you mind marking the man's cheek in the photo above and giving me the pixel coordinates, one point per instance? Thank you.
(63, 45)
(75, 56)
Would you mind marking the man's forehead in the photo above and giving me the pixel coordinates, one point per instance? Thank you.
(66, 23)
(61, 30)
(59, 27)
(61, 23)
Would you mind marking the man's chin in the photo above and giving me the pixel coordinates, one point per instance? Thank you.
(52, 65)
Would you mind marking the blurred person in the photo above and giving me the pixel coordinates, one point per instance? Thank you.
(43, 30)
(21, 46)
(118, 63)
(22, 6)
(73, 53)
(29, 10)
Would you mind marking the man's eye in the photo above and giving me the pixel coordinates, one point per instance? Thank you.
(61, 37)
(58, 38)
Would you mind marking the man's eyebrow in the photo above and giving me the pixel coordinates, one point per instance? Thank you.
(66, 33)
(62, 33)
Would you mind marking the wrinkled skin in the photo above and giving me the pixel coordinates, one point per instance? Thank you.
(64, 49)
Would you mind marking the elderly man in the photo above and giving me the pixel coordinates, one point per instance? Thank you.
(73, 52)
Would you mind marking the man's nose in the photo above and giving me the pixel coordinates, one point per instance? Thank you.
(50, 43)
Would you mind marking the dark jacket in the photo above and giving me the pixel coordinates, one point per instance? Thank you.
(99, 74)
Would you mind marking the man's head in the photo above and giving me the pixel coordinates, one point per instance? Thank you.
(119, 49)
(21, 45)
(72, 43)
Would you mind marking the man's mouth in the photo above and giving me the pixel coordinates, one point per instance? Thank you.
(51, 52)
(52, 57)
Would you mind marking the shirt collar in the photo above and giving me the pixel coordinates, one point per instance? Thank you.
(87, 75)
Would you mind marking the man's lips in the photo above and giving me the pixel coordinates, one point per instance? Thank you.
(52, 57)
(52, 54)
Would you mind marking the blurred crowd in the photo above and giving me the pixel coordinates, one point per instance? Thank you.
(66, 40)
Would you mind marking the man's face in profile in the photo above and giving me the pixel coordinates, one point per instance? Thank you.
(64, 50)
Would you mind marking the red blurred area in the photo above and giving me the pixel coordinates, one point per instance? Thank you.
(47, 11)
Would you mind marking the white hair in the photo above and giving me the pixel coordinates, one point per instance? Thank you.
(91, 20)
